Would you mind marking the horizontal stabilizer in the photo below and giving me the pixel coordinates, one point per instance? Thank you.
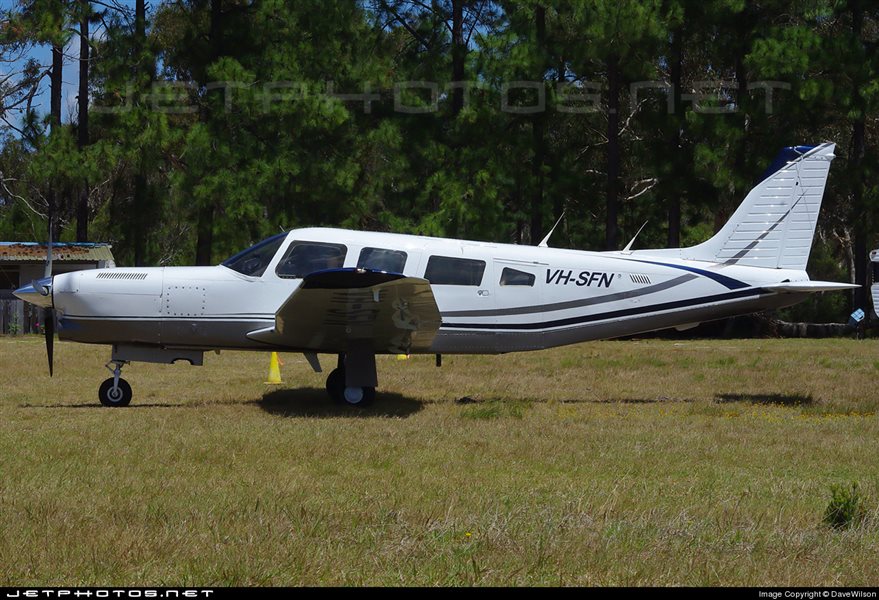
(790, 287)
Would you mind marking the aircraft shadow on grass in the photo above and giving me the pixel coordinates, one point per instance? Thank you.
(148, 405)
(312, 402)
(303, 402)
(626, 400)
(767, 399)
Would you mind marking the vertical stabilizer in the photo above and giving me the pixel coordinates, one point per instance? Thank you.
(775, 224)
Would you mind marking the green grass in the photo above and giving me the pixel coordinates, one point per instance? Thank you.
(609, 463)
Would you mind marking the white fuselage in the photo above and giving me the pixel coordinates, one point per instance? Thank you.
(548, 297)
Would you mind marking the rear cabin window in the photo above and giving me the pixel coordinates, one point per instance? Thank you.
(304, 258)
(444, 270)
(379, 259)
(516, 277)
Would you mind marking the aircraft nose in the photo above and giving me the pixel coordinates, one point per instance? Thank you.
(37, 292)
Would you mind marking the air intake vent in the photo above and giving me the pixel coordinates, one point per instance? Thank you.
(636, 278)
(114, 275)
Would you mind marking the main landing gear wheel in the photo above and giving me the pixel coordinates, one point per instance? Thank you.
(111, 394)
(354, 396)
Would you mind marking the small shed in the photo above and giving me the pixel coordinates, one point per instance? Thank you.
(23, 262)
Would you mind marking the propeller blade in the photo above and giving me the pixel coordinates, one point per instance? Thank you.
(49, 327)
(47, 271)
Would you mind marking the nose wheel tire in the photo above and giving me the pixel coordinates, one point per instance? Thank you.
(353, 396)
(113, 395)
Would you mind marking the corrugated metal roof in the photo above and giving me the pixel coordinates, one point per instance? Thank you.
(19, 252)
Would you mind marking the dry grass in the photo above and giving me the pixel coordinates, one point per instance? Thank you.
(610, 463)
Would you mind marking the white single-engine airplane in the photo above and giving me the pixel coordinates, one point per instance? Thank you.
(357, 294)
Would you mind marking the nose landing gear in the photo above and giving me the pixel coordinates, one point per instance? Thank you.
(115, 391)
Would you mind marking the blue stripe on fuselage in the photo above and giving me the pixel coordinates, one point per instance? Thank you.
(728, 282)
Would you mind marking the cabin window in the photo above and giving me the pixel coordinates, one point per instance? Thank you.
(444, 270)
(379, 259)
(304, 258)
(515, 277)
(255, 259)
(876, 272)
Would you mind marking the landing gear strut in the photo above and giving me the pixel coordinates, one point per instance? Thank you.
(115, 391)
(340, 392)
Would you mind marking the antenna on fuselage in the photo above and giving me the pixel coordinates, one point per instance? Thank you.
(545, 242)
(628, 247)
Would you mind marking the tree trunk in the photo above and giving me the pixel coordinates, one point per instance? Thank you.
(55, 84)
(737, 191)
(611, 231)
(140, 22)
(205, 228)
(557, 205)
(82, 207)
(143, 77)
(676, 187)
(459, 55)
(205, 241)
(140, 202)
(538, 125)
(856, 163)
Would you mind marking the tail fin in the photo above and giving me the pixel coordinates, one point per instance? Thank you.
(775, 224)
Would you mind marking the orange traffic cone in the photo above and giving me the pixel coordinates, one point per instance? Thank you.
(274, 371)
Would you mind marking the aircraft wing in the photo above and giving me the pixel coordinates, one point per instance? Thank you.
(331, 309)
(790, 287)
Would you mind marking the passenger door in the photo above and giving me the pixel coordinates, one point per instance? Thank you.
(518, 289)
(463, 285)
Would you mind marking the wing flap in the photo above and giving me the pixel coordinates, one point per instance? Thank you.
(394, 313)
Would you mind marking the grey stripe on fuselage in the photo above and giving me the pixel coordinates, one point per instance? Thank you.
(528, 310)
(473, 341)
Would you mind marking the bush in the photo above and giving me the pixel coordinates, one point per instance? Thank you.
(845, 508)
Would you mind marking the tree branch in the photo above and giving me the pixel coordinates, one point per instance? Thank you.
(651, 184)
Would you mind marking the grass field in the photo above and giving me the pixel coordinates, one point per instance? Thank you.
(609, 463)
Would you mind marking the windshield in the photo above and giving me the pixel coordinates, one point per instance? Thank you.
(255, 259)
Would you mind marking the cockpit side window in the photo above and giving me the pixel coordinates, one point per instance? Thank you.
(379, 259)
(304, 258)
(255, 259)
